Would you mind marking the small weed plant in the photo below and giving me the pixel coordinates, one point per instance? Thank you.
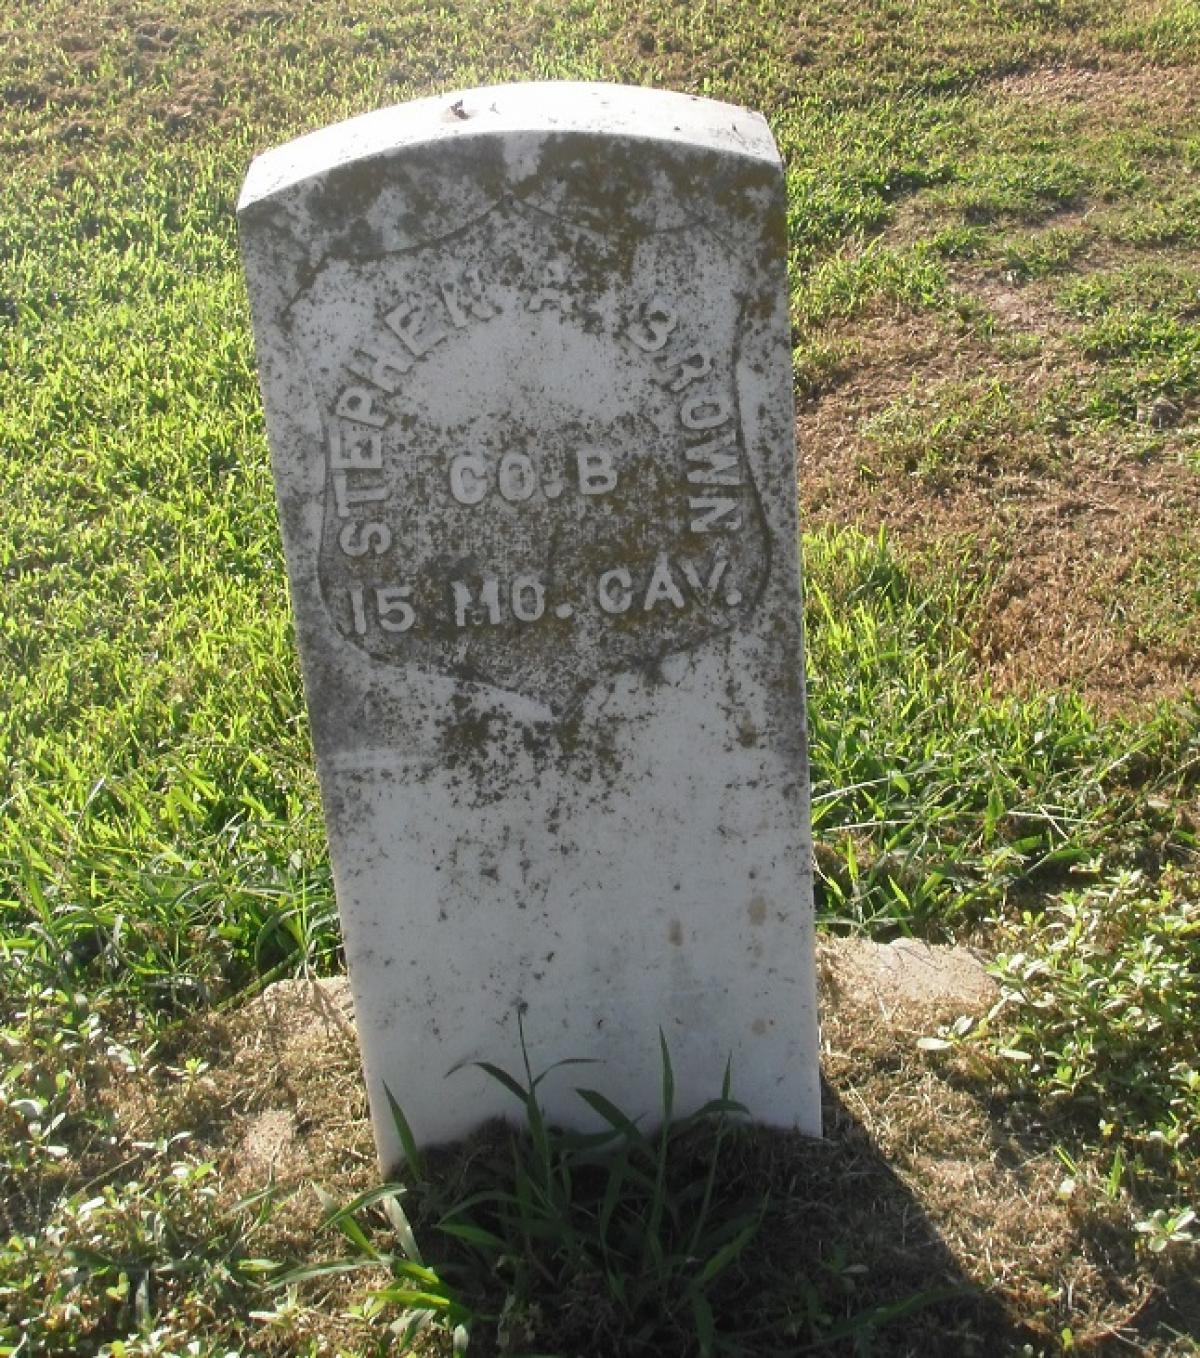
(1101, 997)
(1096, 1028)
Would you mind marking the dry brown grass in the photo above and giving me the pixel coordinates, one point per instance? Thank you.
(1059, 524)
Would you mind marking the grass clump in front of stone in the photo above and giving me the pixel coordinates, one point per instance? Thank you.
(621, 1240)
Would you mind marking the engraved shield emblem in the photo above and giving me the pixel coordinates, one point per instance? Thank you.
(535, 461)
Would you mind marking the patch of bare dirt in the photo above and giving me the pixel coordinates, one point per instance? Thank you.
(1017, 308)
(979, 1170)
(1109, 87)
(296, 1083)
(1066, 606)
(277, 1103)
(280, 1097)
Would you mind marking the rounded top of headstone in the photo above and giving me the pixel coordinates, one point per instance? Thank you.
(547, 107)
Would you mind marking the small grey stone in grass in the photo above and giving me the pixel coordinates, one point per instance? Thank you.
(525, 359)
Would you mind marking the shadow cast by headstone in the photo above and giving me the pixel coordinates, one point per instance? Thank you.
(845, 1259)
(869, 1270)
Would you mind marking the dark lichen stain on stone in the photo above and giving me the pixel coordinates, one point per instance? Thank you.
(748, 734)
(675, 933)
(757, 911)
(489, 753)
(464, 733)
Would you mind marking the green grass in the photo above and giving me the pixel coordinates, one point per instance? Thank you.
(632, 1222)
(161, 848)
(938, 805)
(946, 433)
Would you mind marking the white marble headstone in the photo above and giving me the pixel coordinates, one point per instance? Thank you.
(525, 358)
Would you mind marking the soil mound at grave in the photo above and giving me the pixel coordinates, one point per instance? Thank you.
(926, 1164)
(292, 1075)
